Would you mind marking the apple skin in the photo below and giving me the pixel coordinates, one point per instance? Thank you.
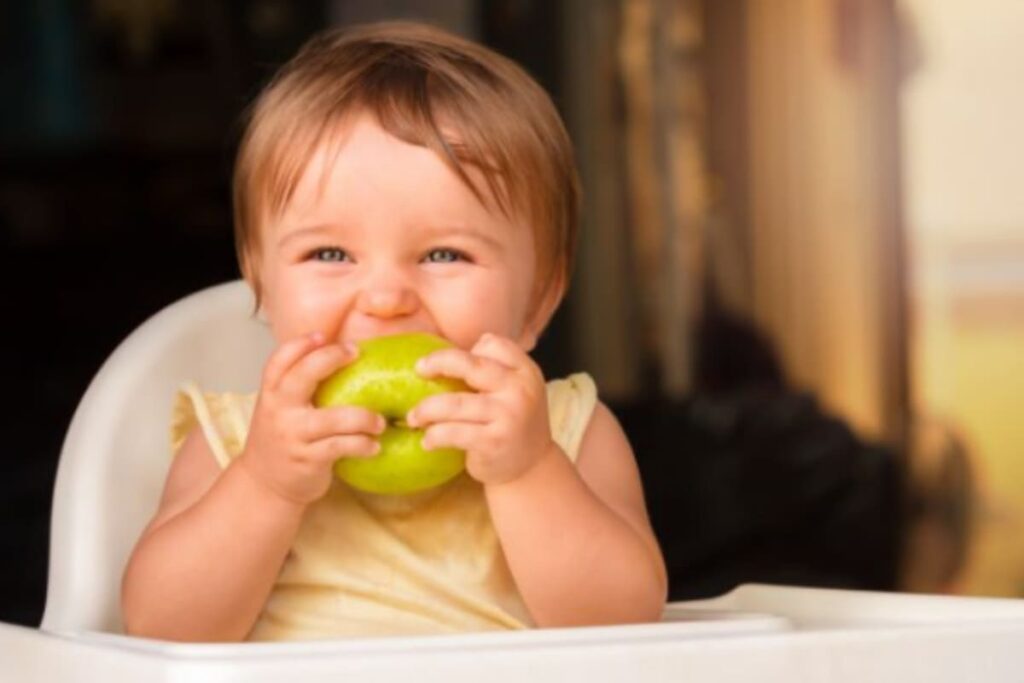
(383, 379)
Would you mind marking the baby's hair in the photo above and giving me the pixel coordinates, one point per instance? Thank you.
(427, 87)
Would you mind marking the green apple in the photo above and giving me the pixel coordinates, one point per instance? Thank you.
(384, 379)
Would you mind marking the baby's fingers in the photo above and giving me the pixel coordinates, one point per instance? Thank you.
(325, 422)
(459, 435)
(502, 350)
(287, 355)
(301, 380)
(482, 374)
(344, 446)
(458, 406)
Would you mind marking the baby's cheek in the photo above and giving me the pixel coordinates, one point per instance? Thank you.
(481, 310)
(312, 308)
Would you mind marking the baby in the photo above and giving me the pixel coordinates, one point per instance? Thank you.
(396, 178)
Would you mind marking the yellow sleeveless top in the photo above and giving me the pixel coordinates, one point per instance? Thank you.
(368, 565)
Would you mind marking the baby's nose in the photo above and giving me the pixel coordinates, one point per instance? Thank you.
(387, 298)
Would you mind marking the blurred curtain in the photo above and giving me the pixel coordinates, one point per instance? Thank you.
(637, 113)
(826, 240)
(746, 151)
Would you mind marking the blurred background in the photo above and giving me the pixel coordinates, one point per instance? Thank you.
(800, 286)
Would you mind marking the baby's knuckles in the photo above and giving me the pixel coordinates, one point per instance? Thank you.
(275, 454)
(506, 454)
(518, 437)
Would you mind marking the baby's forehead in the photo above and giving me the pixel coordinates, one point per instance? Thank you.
(359, 156)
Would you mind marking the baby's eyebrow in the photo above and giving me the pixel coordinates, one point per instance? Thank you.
(305, 231)
(435, 232)
(441, 231)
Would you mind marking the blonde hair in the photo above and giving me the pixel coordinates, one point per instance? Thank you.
(414, 79)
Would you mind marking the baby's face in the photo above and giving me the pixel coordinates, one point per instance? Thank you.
(384, 238)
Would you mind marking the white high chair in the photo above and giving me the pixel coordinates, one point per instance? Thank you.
(116, 455)
(111, 473)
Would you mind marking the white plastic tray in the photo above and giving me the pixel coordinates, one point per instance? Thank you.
(761, 633)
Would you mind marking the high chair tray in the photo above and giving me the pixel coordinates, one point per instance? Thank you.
(763, 633)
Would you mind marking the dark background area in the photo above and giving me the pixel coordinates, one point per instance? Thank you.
(115, 165)
(115, 173)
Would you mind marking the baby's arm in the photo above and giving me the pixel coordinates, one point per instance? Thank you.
(205, 565)
(207, 562)
(577, 539)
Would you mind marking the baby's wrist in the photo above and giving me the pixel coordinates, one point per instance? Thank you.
(267, 489)
(538, 469)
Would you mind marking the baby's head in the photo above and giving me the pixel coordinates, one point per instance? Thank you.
(490, 125)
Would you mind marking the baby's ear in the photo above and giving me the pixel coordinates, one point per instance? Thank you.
(251, 278)
(540, 315)
(245, 264)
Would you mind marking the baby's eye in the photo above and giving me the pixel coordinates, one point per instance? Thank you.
(444, 255)
(329, 255)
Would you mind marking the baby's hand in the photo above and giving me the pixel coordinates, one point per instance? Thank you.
(292, 444)
(504, 427)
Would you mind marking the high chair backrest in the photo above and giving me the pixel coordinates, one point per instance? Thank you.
(116, 452)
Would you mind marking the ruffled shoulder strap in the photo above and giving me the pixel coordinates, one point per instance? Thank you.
(223, 417)
(571, 403)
